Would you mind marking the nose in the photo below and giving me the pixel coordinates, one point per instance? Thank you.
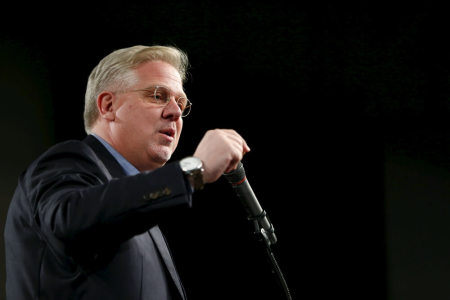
(172, 111)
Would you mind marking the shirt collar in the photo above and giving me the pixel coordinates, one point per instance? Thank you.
(128, 168)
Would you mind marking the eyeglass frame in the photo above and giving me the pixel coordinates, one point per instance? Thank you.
(167, 100)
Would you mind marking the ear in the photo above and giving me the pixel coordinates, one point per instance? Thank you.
(105, 105)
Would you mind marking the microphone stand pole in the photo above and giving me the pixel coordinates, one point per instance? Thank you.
(263, 235)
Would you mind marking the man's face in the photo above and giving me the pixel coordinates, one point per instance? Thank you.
(145, 133)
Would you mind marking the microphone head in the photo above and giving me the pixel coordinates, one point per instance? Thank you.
(236, 176)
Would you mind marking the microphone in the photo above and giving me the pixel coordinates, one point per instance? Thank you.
(241, 186)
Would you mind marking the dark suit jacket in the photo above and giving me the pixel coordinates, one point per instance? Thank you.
(78, 229)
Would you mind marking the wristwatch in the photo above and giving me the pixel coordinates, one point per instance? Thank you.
(192, 168)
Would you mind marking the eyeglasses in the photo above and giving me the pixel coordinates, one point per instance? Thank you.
(161, 95)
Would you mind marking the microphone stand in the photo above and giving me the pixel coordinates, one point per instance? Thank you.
(262, 235)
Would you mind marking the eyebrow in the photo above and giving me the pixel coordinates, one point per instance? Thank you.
(183, 94)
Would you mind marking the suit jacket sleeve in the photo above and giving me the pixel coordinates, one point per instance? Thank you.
(75, 202)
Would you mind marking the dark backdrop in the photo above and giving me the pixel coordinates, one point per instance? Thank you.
(345, 108)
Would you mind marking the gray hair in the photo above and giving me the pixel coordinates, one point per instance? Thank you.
(116, 71)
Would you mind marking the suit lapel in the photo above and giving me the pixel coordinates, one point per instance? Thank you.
(161, 244)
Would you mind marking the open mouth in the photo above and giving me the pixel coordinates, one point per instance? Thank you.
(168, 131)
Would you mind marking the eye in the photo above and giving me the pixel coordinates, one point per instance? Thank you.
(160, 95)
(182, 101)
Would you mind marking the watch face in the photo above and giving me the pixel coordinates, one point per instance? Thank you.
(190, 163)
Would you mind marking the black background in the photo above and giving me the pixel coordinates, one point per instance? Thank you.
(345, 108)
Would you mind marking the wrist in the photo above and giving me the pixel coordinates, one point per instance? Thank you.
(192, 168)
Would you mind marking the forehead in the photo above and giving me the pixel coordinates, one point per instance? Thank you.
(158, 73)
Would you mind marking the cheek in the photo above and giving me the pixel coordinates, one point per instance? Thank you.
(177, 138)
(132, 115)
(127, 111)
(179, 128)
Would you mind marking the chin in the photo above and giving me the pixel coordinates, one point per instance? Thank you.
(162, 157)
(158, 156)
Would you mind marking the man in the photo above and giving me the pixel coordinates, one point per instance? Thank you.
(83, 222)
